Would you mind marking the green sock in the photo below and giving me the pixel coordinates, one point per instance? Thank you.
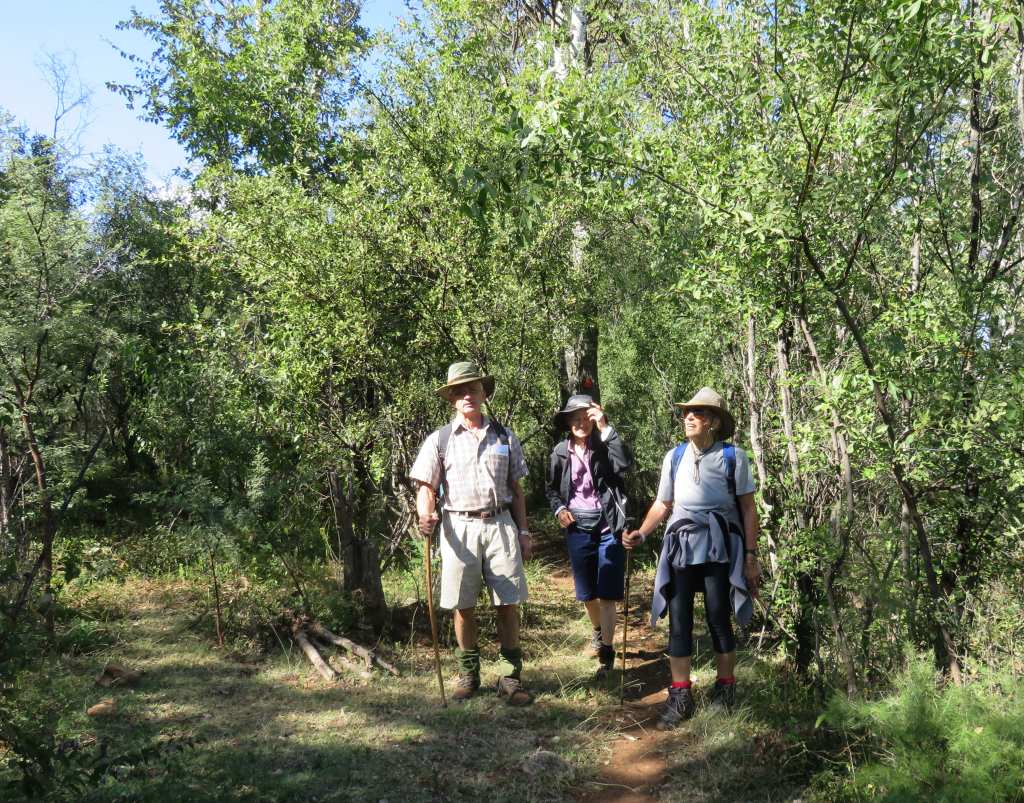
(469, 661)
(511, 664)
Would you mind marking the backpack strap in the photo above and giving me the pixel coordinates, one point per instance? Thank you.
(729, 453)
(499, 430)
(502, 435)
(444, 434)
(677, 456)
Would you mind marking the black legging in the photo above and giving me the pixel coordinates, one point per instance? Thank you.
(714, 578)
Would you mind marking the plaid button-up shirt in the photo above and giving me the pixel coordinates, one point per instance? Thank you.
(477, 471)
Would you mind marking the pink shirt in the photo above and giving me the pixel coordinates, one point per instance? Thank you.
(584, 494)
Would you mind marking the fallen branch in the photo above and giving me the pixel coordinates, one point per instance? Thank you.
(314, 657)
(339, 661)
(369, 656)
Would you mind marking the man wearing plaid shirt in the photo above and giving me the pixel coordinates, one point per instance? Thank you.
(484, 532)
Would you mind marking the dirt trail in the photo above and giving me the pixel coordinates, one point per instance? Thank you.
(636, 767)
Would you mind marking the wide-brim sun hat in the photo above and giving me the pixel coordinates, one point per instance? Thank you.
(579, 401)
(461, 373)
(707, 398)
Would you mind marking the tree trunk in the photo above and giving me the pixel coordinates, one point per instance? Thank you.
(945, 646)
(578, 363)
(807, 593)
(839, 446)
(786, 396)
(49, 521)
(768, 494)
(832, 573)
(358, 553)
(7, 488)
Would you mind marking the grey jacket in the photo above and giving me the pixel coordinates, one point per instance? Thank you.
(697, 537)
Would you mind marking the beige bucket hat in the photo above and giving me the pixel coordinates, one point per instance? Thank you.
(706, 397)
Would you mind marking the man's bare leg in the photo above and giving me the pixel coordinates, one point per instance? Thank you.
(508, 626)
(466, 633)
(467, 653)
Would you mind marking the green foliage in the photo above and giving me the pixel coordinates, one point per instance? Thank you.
(251, 86)
(935, 742)
(814, 209)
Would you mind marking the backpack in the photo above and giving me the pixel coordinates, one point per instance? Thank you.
(728, 452)
(444, 435)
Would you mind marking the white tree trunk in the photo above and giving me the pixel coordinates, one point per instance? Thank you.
(579, 358)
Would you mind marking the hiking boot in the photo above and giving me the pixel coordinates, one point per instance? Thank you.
(593, 649)
(723, 697)
(513, 690)
(465, 687)
(605, 660)
(678, 707)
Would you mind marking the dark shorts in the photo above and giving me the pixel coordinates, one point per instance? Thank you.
(598, 564)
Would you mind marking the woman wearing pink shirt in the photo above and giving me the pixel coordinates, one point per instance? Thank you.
(587, 495)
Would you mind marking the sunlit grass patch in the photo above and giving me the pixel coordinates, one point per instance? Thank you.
(267, 727)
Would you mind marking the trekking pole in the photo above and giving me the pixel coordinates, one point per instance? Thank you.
(626, 624)
(433, 620)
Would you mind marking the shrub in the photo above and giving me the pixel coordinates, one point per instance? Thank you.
(929, 742)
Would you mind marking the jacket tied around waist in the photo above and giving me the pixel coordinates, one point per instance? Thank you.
(702, 536)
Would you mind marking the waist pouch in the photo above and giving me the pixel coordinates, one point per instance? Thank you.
(589, 521)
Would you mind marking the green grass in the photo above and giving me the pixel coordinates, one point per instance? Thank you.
(275, 731)
(253, 722)
(929, 742)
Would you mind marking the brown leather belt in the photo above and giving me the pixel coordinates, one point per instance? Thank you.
(479, 514)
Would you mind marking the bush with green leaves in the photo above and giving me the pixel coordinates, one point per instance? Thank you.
(933, 742)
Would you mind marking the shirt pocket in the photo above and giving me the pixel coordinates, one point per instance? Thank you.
(496, 459)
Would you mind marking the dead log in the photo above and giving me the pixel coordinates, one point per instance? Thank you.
(314, 657)
(341, 662)
(369, 656)
(117, 675)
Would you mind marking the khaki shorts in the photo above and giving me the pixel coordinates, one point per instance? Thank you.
(476, 551)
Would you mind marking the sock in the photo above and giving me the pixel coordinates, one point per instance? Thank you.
(511, 664)
(469, 660)
(680, 684)
(729, 681)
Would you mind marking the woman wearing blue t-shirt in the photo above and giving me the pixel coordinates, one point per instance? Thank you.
(710, 546)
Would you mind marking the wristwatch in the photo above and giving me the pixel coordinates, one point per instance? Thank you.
(526, 533)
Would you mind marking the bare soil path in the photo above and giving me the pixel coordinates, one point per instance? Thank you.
(635, 766)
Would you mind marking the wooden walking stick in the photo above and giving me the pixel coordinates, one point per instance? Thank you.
(625, 627)
(433, 620)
